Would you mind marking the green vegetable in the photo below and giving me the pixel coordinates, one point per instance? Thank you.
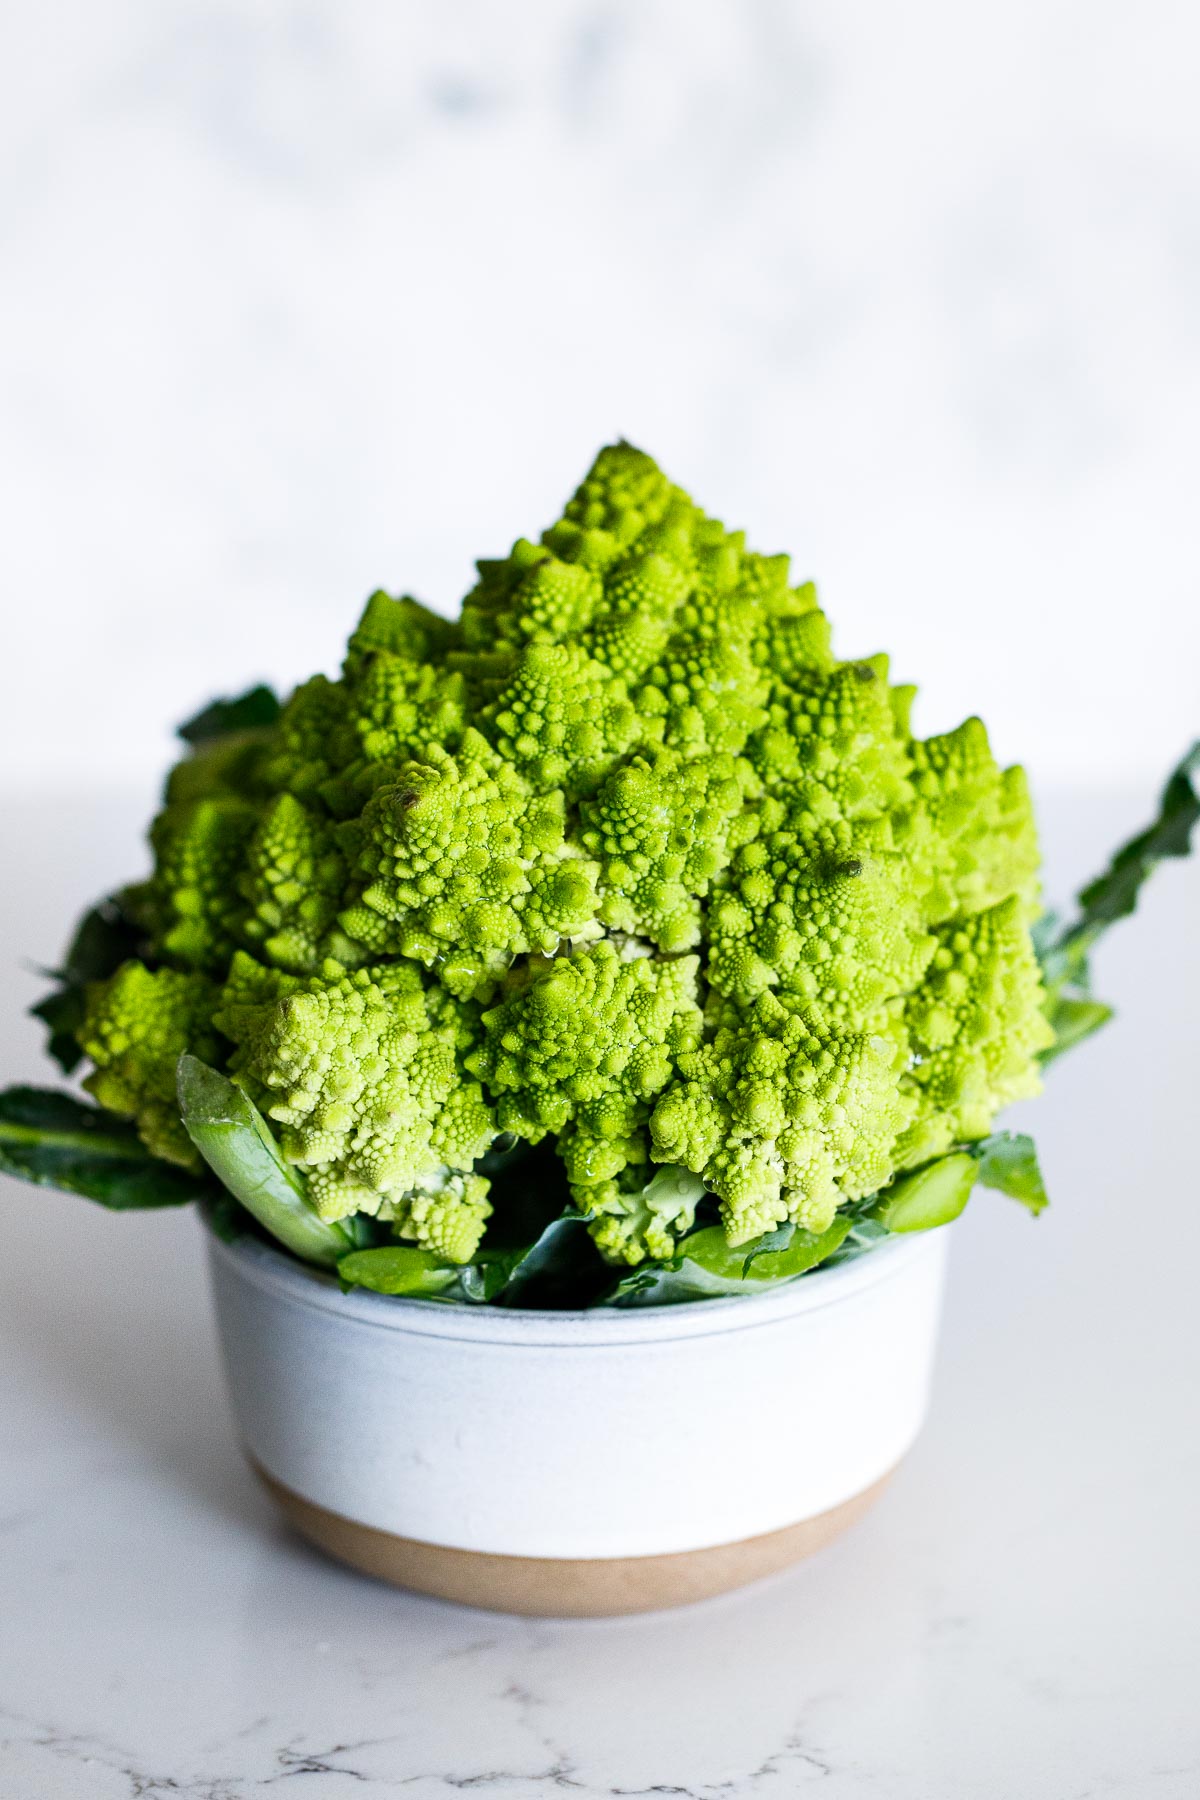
(104, 938)
(228, 1131)
(397, 1269)
(561, 1270)
(708, 1267)
(250, 711)
(623, 890)
(1073, 1017)
(362, 1072)
(929, 1197)
(60, 1142)
(1064, 949)
(1008, 1161)
(135, 1027)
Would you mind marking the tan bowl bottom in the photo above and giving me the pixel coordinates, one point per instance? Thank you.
(559, 1587)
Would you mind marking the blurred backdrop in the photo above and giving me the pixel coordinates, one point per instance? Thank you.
(300, 299)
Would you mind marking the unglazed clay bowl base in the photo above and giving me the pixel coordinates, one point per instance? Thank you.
(563, 1587)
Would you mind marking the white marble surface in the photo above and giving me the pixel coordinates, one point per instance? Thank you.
(1016, 1621)
(305, 296)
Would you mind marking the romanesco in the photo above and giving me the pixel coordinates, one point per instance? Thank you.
(625, 858)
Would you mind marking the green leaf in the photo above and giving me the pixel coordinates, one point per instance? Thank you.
(1008, 1162)
(708, 1267)
(480, 1281)
(768, 1243)
(769, 1259)
(1064, 950)
(104, 938)
(864, 1234)
(232, 1137)
(1074, 1017)
(62, 1014)
(474, 1283)
(397, 1269)
(57, 1141)
(227, 1218)
(561, 1272)
(1114, 894)
(929, 1197)
(257, 707)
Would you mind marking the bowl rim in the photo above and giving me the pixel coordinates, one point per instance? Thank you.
(276, 1271)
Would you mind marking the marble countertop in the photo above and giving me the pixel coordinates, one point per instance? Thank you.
(1017, 1620)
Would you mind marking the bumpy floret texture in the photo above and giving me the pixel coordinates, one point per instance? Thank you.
(292, 882)
(363, 1074)
(466, 866)
(975, 1026)
(136, 1026)
(642, 1211)
(784, 1117)
(660, 828)
(625, 856)
(586, 1040)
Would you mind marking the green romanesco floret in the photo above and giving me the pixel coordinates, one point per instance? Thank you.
(298, 758)
(824, 913)
(975, 1026)
(792, 636)
(587, 1040)
(784, 1120)
(462, 855)
(229, 767)
(398, 711)
(191, 906)
(563, 720)
(136, 1026)
(704, 694)
(293, 882)
(363, 1074)
(404, 628)
(976, 825)
(627, 857)
(660, 828)
(832, 745)
(634, 1217)
(530, 598)
(623, 495)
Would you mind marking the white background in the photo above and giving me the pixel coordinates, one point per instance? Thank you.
(300, 299)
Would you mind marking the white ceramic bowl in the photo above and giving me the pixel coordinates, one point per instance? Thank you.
(571, 1462)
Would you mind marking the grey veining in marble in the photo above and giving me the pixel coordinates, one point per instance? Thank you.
(1015, 1621)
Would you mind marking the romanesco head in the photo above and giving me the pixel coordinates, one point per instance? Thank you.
(625, 856)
